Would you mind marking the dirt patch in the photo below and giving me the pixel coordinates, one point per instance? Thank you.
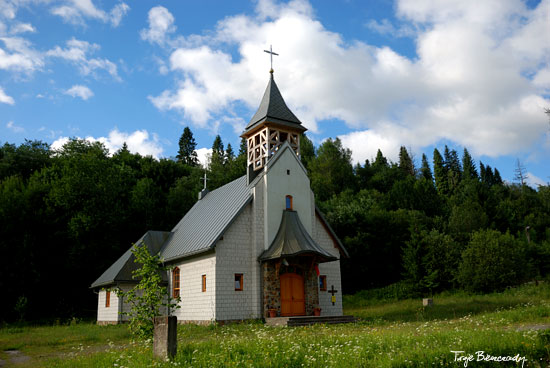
(16, 357)
(536, 327)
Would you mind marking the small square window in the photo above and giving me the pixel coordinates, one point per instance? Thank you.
(288, 172)
(107, 299)
(238, 282)
(323, 283)
(203, 283)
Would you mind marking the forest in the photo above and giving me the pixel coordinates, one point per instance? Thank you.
(411, 228)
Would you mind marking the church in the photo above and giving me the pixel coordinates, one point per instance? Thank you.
(254, 248)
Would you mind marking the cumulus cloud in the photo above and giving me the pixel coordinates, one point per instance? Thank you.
(139, 141)
(18, 55)
(477, 80)
(14, 128)
(79, 91)
(76, 11)
(76, 52)
(204, 154)
(534, 181)
(4, 98)
(161, 23)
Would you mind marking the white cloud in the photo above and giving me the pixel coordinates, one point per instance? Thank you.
(477, 80)
(138, 141)
(79, 91)
(161, 23)
(14, 128)
(76, 11)
(534, 181)
(19, 56)
(22, 28)
(204, 154)
(77, 52)
(4, 98)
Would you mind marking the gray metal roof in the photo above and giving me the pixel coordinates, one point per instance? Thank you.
(199, 230)
(274, 109)
(122, 269)
(292, 239)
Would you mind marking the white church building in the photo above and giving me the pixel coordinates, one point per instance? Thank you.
(255, 245)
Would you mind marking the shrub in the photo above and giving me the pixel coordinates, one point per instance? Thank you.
(492, 261)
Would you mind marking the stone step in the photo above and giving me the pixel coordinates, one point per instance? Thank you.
(308, 320)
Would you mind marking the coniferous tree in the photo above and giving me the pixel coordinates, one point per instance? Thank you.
(229, 154)
(217, 146)
(242, 147)
(468, 166)
(497, 178)
(454, 171)
(307, 150)
(405, 162)
(440, 173)
(380, 161)
(187, 153)
(425, 171)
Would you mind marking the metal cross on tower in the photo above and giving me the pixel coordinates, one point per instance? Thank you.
(271, 55)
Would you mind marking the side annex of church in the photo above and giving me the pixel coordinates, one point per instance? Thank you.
(256, 244)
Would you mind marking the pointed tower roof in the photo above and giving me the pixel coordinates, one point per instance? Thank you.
(274, 109)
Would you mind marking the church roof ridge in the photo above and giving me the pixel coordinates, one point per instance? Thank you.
(273, 108)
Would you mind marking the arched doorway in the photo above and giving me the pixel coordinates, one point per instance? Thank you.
(292, 295)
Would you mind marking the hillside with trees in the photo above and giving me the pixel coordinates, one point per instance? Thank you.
(66, 215)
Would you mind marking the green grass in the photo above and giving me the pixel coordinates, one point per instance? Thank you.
(397, 334)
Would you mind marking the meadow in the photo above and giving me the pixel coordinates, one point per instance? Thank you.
(388, 334)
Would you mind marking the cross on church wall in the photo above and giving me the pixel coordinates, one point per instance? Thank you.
(332, 291)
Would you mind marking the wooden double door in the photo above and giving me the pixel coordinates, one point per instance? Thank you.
(292, 295)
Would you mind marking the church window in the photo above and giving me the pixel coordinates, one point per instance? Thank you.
(238, 282)
(323, 283)
(107, 299)
(288, 202)
(203, 283)
(176, 283)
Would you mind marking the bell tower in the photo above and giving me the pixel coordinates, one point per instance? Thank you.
(269, 128)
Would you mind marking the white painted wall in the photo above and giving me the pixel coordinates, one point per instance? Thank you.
(278, 185)
(109, 314)
(331, 270)
(195, 304)
(235, 255)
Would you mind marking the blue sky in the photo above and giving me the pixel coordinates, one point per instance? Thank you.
(377, 74)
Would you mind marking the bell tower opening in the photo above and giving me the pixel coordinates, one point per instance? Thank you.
(271, 126)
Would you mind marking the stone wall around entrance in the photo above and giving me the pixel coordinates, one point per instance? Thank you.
(271, 271)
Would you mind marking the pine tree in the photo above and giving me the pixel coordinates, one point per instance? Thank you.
(229, 154)
(440, 173)
(405, 162)
(187, 148)
(242, 147)
(468, 166)
(497, 177)
(454, 171)
(217, 151)
(520, 174)
(380, 161)
(425, 171)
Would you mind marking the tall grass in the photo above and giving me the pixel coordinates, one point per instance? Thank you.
(401, 334)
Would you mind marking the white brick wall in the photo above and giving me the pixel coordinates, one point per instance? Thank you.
(331, 270)
(234, 254)
(197, 305)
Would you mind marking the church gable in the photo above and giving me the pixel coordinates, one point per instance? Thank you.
(286, 176)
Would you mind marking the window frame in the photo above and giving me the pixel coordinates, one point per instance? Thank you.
(176, 282)
(288, 202)
(240, 277)
(323, 283)
(107, 298)
(203, 283)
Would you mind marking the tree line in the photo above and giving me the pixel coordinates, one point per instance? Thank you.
(67, 214)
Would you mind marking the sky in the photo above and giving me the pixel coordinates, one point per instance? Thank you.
(377, 74)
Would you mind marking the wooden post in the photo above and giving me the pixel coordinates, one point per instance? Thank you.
(427, 302)
(165, 337)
